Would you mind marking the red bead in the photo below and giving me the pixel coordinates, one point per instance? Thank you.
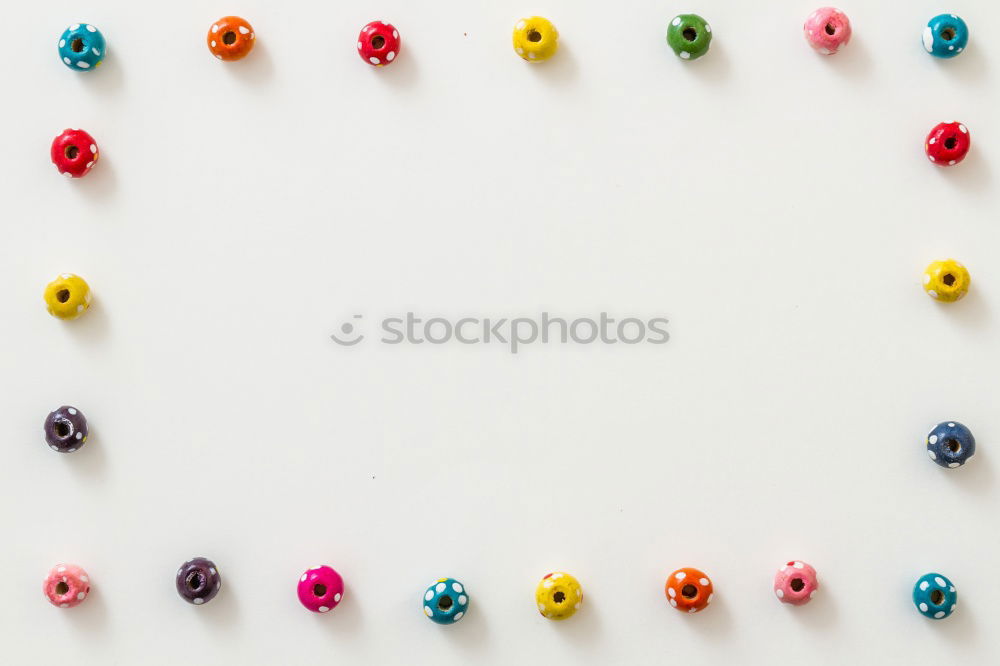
(74, 152)
(948, 143)
(378, 43)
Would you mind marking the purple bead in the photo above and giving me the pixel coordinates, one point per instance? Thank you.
(66, 429)
(198, 581)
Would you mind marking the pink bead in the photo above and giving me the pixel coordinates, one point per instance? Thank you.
(827, 29)
(795, 583)
(67, 585)
(321, 589)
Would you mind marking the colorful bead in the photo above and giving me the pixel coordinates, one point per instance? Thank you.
(535, 39)
(827, 29)
(379, 43)
(74, 152)
(198, 581)
(950, 444)
(321, 589)
(446, 601)
(795, 583)
(67, 297)
(946, 281)
(558, 596)
(689, 590)
(231, 38)
(934, 596)
(82, 47)
(945, 36)
(948, 143)
(67, 585)
(65, 429)
(689, 35)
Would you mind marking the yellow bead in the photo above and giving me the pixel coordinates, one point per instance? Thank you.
(535, 39)
(68, 296)
(558, 596)
(946, 281)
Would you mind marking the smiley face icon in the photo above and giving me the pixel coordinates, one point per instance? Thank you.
(349, 335)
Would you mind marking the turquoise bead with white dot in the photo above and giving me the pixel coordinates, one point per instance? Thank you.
(446, 601)
(82, 47)
(934, 596)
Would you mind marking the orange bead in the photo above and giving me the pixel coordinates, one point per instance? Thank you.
(230, 38)
(689, 590)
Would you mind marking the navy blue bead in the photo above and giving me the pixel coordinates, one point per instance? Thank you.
(945, 36)
(950, 444)
(934, 596)
(446, 601)
(82, 47)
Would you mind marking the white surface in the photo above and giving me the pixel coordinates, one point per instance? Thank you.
(775, 205)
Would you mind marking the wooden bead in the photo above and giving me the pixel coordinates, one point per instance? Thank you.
(67, 297)
(558, 596)
(74, 152)
(689, 590)
(827, 29)
(947, 144)
(795, 583)
(231, 38)
(379, 44)
(535, 39)
(689, 35)
(946, 281)
(935, 596)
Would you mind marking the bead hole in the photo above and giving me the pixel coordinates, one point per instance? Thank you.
(830, 29)
(797, 584)
(937, 597)
(948, 34)
(319, 590)
(378, 41)
(63, 429)
(195, 581)
(445, 603)
(534, 36)
(948, 279)
(950, 143)
(690, 34)
(689, 591)
(559, 597)
(953, 445)
(229, 38)
(71, 152)
(62, 588)
(76, 45)
(62, 295)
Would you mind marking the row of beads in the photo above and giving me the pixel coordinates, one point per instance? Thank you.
(82, 47)
(446, 601)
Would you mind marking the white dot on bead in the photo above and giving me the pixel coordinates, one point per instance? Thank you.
(933, 438)
(459, 615)
(931, 454)
(519, 26)
(922, 607)
(457, 587)
(323, 609)
(933, 294)
(390, 55)
(244, 30)
(680, 575)
(671, 592)
(429, 595)
(215, 28)
(336, 597)
(954, 465)
(427, 611)
(963, 129)
(704, 582)
(940, 581)
(938, 615)
(779, 592)
(395, 35)
(440, 587)
(90, 28)
(676, 21)
(685, 55)
(199, 601)
(373, 60)
(673, 602)
(462, 600)
(62, 43)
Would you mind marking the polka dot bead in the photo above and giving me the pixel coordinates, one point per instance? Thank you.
(947, 144)
(446, 601)
(231, 38)
(689, 590)
(67, 297)
(320, 589)
(950, 444)
(689, 35)
(795, 583)
(67, 585)
(82, 47)
(65, 429)
(946, 281)
(379, 44)
(827, 29)
(558, 596)
(535, 39)
(198, 581)
(74, 152)
(934, 596)
(945, 36)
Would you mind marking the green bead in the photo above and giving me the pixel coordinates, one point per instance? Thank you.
(689, 35)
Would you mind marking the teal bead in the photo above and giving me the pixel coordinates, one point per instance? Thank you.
(934, 596)
(689, 35)
(446, 601)
(82, 47)
(945, 36)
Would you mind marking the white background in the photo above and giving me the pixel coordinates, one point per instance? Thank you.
(775, 205)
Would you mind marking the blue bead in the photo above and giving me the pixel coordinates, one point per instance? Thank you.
(82, 47)
(934, 596)
(945, 36)
(950, 444)
(446, 601)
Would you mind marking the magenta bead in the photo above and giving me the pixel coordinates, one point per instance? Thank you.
(795, 583)
(827, 29)
(321, 589)
(67, 585)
